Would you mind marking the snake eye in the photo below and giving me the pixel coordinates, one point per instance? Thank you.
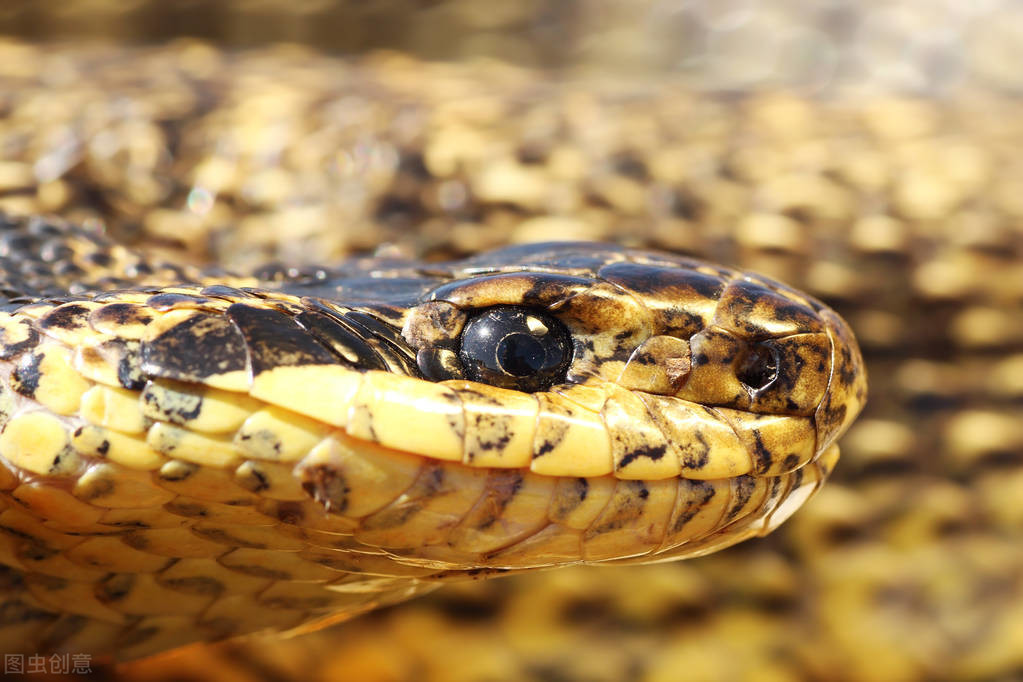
(515, 348)
(759, 368)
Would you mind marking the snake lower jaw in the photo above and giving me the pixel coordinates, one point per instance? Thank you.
(436, 515)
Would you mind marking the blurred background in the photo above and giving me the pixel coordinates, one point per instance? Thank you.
(910, 45)
(868, 152)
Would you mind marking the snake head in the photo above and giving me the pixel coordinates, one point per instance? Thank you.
(719, 391)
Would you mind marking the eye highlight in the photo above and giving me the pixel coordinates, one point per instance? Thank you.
(516, 348)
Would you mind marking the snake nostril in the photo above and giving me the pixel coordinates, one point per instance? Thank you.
(758, 368)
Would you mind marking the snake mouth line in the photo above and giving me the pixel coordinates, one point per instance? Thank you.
(452, 517)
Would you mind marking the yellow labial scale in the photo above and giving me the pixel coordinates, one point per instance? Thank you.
(235, 380)
(194, 508)
(71, 596)
(38, 442)
(322, 392)
(176, 543)
(707, 447)
(195, 407)
(112, 554)
(425, 513)
(552, 545)
(183, 444)
(259, 537)
(633, 522)
(204, 483)
(355, 479)
(54, 504)
(570, 440)
(639, 447)
(408, 414)
(274, 480)
(778, 443)
(275, 564)
(113, 486)
(113, 408)
(161, 633)
(591, 398)
(58, 386)
(499, 424)
(578, 501)
(133, 453)
(240, 614)
(140, 594)
(700, 510)
(514, 505)
(279, 435)
(206, 576)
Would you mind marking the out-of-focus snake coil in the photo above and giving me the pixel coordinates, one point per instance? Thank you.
(191, 455)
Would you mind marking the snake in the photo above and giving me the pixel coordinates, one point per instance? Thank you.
(900, 211)
(197, 456)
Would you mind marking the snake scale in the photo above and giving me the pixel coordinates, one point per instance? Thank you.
(199, 461)
(899, 212)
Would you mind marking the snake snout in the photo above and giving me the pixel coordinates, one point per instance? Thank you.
(846, 393)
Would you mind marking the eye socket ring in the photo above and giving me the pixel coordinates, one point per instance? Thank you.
(515, 347)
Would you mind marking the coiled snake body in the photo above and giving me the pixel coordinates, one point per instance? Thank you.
(194, 455)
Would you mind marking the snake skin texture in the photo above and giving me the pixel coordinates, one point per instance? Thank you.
(902, 213)
(198, 461)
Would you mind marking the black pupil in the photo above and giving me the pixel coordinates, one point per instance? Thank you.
(520, 354)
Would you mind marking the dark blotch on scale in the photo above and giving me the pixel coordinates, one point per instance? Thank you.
(198, 347)
(273, 339)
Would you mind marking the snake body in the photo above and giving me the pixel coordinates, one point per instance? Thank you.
(901, 211)
(198, 460)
